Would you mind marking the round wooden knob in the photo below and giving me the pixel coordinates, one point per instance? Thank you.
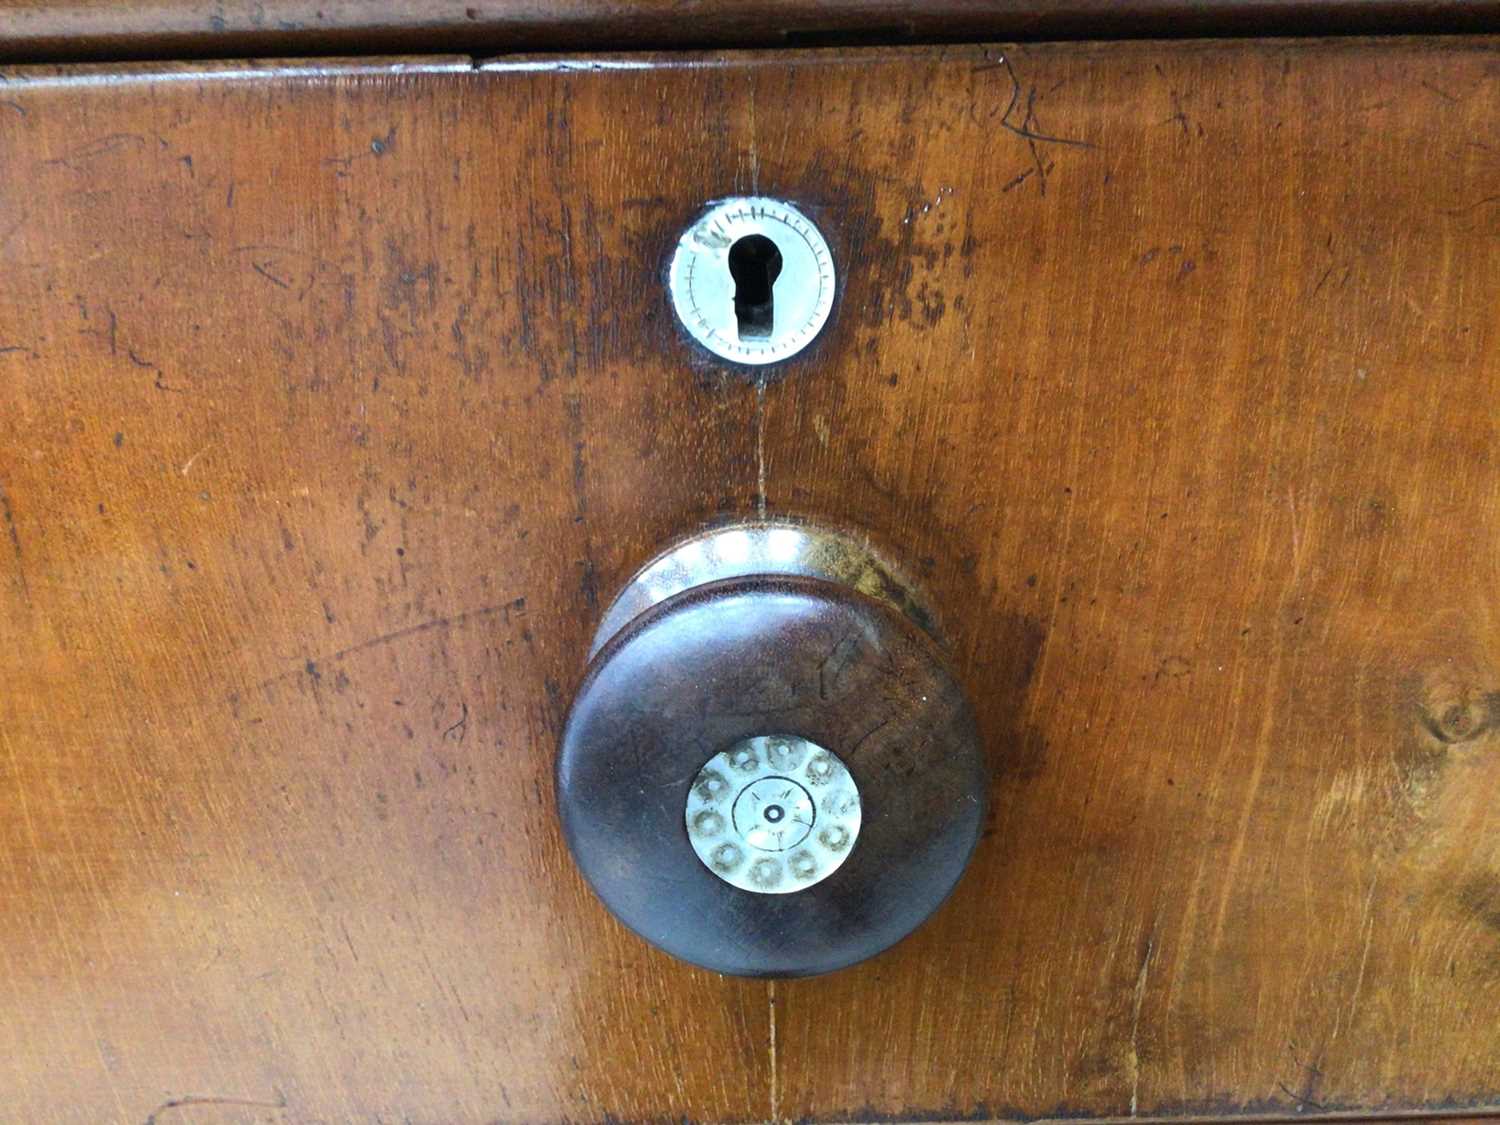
(769, 769)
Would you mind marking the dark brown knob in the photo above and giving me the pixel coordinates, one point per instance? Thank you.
(768, 771)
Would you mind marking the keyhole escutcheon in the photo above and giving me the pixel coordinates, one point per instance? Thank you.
(751, 280)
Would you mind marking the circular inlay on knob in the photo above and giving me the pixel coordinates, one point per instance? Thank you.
(773, 814)
(769, 769)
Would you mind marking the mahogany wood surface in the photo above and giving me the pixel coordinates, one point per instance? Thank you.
(71, 30)
(336, 398)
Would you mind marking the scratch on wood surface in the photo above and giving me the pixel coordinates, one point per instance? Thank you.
(775, 1083)
(196, 1100)
(760, 447)
(310, 668)
(1364, 955)
(1028, 128)
(1464, 210)
(15, 541)
(1291, 500)
(188, 464)
(1340, 801)
(750, 73)
(100, 146)
(1270, 712)
(1133, 1060)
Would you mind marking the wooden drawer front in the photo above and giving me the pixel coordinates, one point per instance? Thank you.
(335, 397)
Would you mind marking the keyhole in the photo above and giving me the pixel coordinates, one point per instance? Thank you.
(754, 263)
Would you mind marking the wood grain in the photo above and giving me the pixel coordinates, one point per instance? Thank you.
(337, 397)
(76, 30)
(312, 457)
(1186, 391)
